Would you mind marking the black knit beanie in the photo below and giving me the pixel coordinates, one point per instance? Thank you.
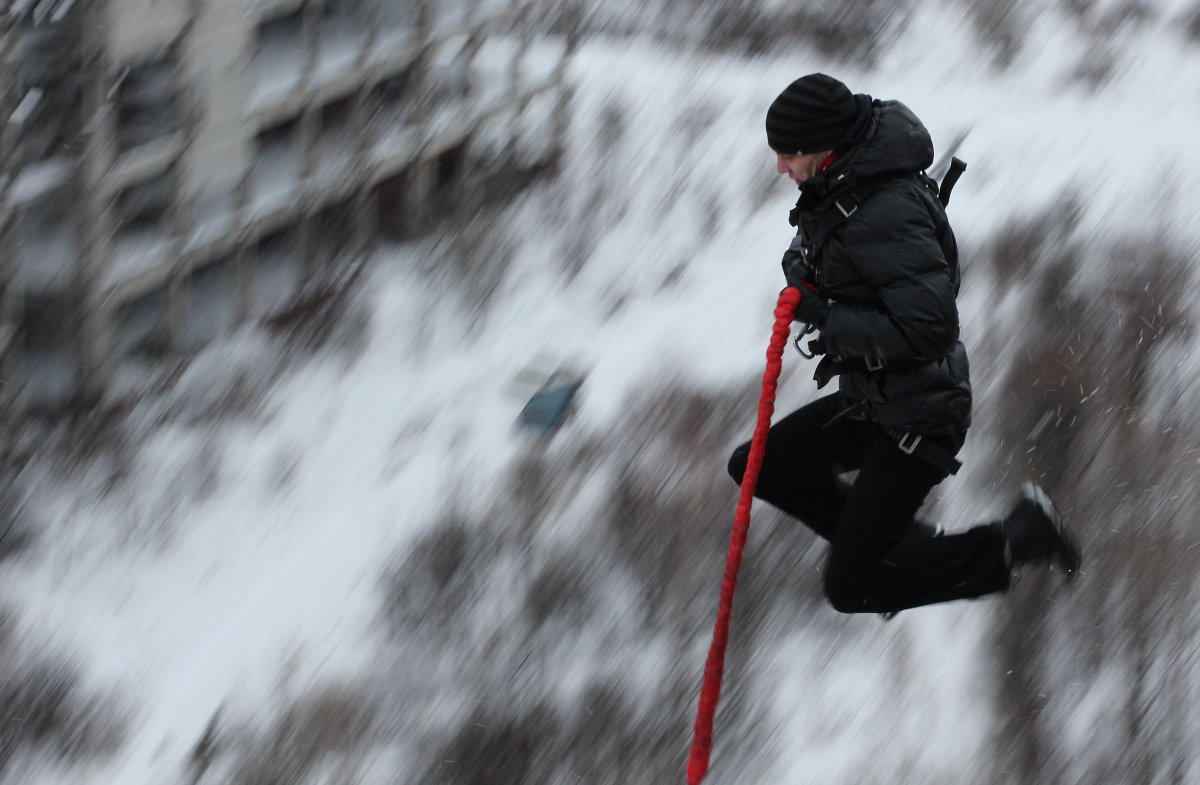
(811, 115)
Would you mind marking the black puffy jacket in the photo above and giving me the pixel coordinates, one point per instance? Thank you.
(890, 271)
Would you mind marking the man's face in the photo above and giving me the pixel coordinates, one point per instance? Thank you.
(800, 168)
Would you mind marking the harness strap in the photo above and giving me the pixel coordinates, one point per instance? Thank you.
(874, 365)
(830, 367)
(845, 205)
(957, 167)
(915, 444)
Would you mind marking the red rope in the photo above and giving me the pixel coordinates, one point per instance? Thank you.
(710, 691)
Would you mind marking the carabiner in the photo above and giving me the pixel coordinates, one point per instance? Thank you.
(809, 329)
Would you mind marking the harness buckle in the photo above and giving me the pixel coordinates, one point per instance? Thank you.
(908, 442)
(846, 213)
(874, 363)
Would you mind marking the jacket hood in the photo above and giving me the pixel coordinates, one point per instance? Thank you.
(896, 142)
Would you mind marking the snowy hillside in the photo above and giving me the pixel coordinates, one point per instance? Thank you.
(345, 565)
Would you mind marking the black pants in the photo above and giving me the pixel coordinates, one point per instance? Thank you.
(881, 560)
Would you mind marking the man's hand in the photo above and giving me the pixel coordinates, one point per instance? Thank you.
(816, 346)
(812, 306)
(795, 271)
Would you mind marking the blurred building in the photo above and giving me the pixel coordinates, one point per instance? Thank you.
(172, 168)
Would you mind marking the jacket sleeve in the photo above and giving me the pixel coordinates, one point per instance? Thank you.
(903, 308)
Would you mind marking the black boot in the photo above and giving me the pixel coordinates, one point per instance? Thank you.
(1035, 533)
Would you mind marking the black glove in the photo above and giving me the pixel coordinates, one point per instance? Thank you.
(812, 307)
(795, 269)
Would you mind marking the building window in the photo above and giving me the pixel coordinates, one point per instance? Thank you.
(213, 209)
(396, 21)
(448, 14)
(146, 102)
(392, 198)
(449, 170)
(341, 38)
(335, 141)
(278, 165)
(279, 56)
(47, 247)
(143, 225)
(276, 274)
(144, 207)
(212, 304)
(48, 70)
(391, 110)
(333, 240)
(142, 327)
(449, 69)
(447, 183)
(48, 360)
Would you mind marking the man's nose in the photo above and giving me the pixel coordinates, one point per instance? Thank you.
(780, 164)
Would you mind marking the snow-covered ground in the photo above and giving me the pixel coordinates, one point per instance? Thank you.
(237, 562)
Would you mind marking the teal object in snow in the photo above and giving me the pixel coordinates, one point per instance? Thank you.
(550, 406)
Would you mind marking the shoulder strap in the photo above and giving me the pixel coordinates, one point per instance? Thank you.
(847, 204)
(957, 167)
(844, 206)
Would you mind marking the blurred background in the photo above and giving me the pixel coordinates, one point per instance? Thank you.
(369, 368)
